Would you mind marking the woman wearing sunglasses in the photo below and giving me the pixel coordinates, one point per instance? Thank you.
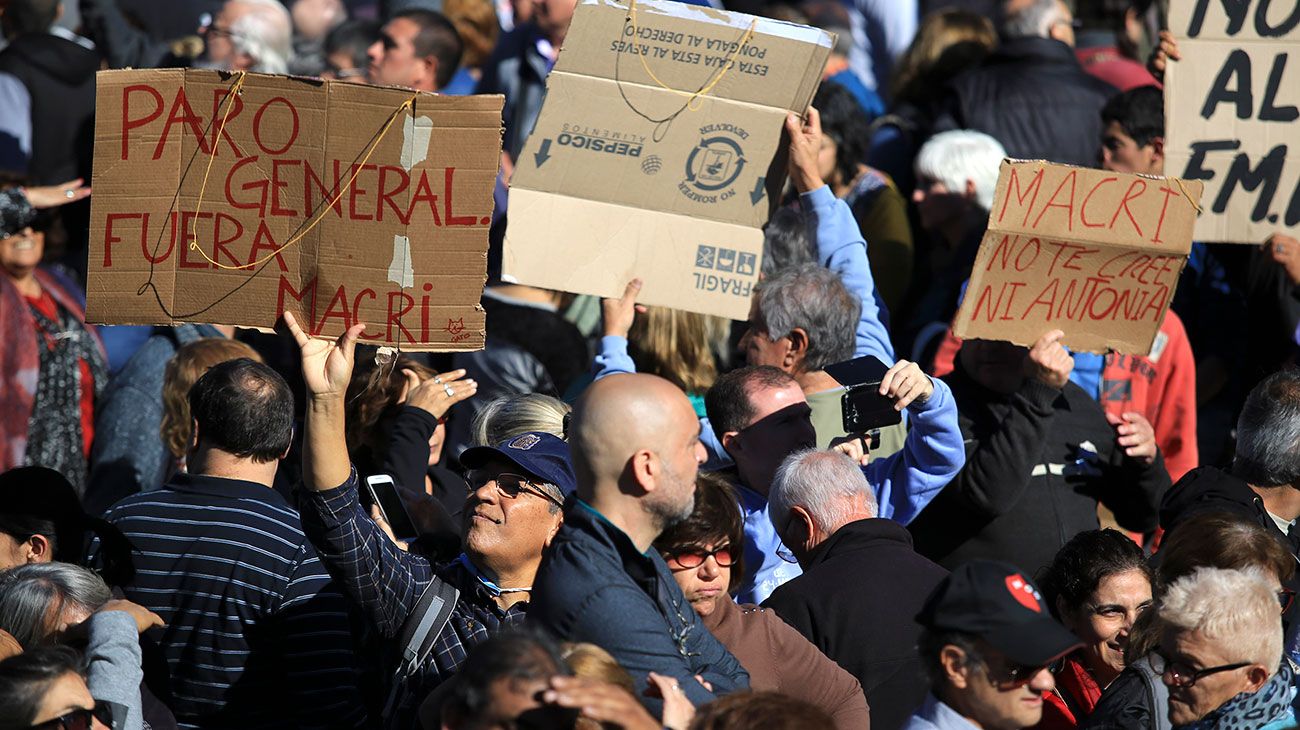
(1098, 585)
(704, 555)
(43, 688)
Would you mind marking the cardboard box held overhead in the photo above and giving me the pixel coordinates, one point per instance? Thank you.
(1094, 254)
(341, 203)
(658, 153)
(1232, 110)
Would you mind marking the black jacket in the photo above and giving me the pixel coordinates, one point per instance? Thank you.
(1034, 98)
(1208, 489)
(1031, 482)
(518, 70)
(60, 76)
(857, 601)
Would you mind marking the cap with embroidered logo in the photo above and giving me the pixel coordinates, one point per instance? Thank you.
(540, 455)
(997, 603)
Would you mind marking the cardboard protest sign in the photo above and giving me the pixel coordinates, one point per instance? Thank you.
(658, 153)
(1231, 110)
(338, 202)
(1095, 254)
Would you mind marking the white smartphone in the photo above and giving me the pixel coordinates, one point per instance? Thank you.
(383, 491)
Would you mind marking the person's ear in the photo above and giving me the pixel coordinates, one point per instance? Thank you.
(645, 469)
(1062, 610)
(555, 529)
(194, 436)
(1158, 149)
(798, 349)
(955, 667)
(1256, 676)
(969, 192)
(802, 529)
(731, 442)
(431, 71)
(39, 549)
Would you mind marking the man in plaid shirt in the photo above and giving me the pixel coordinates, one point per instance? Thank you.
(512, 513)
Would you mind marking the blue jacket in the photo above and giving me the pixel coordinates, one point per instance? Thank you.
(595, 586)
(128, 455)
(904, 482)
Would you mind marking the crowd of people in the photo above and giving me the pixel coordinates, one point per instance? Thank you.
(620, 516)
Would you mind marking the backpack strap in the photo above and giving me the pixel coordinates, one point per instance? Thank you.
(419, 633)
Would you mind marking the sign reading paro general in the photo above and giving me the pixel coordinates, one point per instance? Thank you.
(1232, 110)
(232, 198)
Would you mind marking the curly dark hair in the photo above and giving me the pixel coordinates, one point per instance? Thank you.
(1083, 562)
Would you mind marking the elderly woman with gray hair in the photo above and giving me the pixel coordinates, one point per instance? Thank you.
(1221, 642)
(58, 603)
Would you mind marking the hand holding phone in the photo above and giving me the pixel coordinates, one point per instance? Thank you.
(384, 494)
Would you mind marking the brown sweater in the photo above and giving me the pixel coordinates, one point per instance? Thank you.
(780, 659)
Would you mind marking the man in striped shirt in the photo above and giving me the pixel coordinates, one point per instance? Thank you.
(257, 636)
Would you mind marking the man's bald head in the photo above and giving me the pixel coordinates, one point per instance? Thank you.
(621, 415)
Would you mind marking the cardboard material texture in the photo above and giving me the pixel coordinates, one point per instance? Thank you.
(1095, 254)
(658, 153)
(330, 200)
(1231, 109)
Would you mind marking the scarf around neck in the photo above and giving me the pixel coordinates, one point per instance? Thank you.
(1270, 707)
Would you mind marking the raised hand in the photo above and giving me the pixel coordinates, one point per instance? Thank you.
(52, 196)
(618, 314)
(805, 148)
(326, 366)
(1049, 362)
(1135, 435)
(438, 394)
(906, 384)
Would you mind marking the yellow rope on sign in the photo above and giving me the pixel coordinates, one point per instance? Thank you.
(1188, 195)
(703, 90)
(234, 89)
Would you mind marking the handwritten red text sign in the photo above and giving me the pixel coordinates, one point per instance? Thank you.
(342, 203)
(1096, 254)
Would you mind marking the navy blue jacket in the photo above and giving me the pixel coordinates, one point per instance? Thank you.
(595, 586)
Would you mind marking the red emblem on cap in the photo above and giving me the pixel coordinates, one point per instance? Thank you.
(1024, 593)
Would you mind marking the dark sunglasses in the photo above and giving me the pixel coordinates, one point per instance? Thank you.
(509, 485)
(80, 719)
(695, 557)
(1015, 676)
(1285, 597)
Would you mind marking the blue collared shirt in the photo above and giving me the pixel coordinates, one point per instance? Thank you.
(935, 715)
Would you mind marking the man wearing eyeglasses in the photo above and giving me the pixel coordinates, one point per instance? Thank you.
(511, 513)
(987, 641)
(1221, 646)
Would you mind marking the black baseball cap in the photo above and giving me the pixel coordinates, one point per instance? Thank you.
(997, 603)
(539, 454)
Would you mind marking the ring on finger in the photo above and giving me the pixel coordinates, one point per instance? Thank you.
(437, 379)
(447, 389)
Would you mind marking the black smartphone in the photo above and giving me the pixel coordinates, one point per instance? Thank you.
(862, 406)
(383, 491)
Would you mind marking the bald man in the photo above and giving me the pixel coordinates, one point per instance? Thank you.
(636, 449)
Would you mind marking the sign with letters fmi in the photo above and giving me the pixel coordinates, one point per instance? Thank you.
(658, 152)
(1232, 110)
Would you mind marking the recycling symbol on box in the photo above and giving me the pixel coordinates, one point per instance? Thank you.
(714, 164)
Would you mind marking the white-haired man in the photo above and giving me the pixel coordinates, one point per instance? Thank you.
(824, 509)
(250, 35)
(956, 175)
(1221, 641)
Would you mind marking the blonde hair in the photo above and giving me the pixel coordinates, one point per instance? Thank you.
(947, 42)
(511, 415)
(676, 346)
(476, 24)
(190, 362)
(1236, 609)
(592, 662)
